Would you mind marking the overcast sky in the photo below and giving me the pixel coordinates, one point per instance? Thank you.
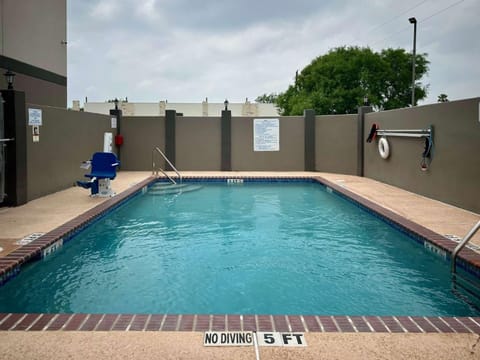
(187, 50)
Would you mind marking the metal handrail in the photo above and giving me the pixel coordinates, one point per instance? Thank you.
(417, 133)
(156, 149)
(462, 244)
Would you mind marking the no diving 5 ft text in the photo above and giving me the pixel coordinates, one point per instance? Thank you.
(245, 338)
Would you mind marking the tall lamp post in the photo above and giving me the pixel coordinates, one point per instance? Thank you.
(414, 22)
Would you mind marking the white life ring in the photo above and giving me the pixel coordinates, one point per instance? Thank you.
(383, 148)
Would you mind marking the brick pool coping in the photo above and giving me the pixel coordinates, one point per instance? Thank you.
(10, 265)
(266, 323)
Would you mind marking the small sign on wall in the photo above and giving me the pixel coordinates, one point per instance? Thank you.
(114, 122)
(266, 135)
(35, 117)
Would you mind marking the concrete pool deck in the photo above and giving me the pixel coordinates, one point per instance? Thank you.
(47, 213)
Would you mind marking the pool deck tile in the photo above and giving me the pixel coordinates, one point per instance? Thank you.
(408, 324)
(42, 322)
(264, 323)
(123, 322)
(76, 322)
(281, 324)
(328, 325)
(376, 324)
(11, 321)
(470, 324)
(360, 324)
(203, 323)
(155, 323)
(344, 323)
(296, 323)
(312, 324)
(234, 323)
(218, 323)
(92, 322)
(26, 322)
(249, 323)
(170, 323)
(139, 322)
(441, 325)
(186, 323)
(59, 322)
(106, 323)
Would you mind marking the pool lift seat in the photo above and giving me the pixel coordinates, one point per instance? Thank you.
(104, 168)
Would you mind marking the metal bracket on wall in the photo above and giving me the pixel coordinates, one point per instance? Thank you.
(415, 133)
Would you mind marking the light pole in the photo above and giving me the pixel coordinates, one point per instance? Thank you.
(414, 22)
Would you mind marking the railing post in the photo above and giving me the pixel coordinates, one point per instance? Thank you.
(362, 110)
(309, 120)
(170, 143)
(226, 133)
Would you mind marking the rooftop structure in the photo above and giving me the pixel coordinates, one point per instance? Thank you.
(187, 109)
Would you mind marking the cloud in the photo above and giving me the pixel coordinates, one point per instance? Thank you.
(187, 50)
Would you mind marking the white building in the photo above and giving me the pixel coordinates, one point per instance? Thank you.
(187, 109)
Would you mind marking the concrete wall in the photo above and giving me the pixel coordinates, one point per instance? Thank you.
(32, 45)
(198, 143)
(66, 139)
(32, 32)
(38, 91)
(291, 156)
(454, 173)
(336, 144)
(141, 135)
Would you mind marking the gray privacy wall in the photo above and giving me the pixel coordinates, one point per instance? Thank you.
(198, 143)
(289, 158)
(454, 173)
(141, 135)
(66, 139)
(69, 137)
(336, 147)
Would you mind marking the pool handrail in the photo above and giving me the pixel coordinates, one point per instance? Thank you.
(462, 244)
(155, 170)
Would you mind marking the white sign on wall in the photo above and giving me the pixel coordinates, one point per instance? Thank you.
(266, 135)
(34, 117)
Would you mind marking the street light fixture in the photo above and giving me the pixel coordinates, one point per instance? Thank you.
(413, 21)
(9, 76)
(116, 103)
(226, 104)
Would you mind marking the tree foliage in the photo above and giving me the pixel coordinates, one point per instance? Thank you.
(442, 98)
(336, 83)
(267, 99)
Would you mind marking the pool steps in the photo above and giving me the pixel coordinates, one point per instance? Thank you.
(169, 188)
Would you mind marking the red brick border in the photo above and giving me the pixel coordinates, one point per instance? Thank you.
(279, 323)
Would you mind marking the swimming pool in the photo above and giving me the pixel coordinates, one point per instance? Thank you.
(285, 248)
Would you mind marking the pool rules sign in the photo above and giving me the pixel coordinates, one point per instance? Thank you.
(249, 338)
(266, 135)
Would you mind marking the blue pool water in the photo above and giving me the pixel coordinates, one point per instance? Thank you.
(277, 248)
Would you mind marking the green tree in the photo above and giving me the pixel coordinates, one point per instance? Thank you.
(267, 99)
(442, 98)
(336, 83)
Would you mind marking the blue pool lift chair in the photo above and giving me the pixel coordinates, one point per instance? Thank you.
(104, 168)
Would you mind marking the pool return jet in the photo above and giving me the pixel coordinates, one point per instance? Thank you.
(104, 168)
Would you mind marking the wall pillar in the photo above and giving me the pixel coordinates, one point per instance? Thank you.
(226, 131)
(309, 117)
(15, 127)
(362, 110)
(170, 143)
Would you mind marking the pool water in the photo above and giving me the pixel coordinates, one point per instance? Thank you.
(274, 248)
